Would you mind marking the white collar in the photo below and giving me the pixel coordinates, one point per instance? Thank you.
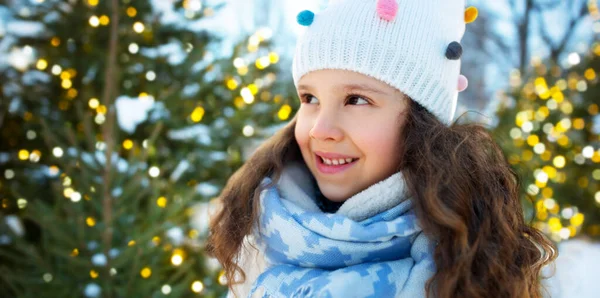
(296, 186)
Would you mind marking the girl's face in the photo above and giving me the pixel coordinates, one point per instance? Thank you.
(346, 115)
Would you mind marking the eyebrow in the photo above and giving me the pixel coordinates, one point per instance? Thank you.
(350, 87)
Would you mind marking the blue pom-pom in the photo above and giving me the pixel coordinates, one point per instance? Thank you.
(305, 17)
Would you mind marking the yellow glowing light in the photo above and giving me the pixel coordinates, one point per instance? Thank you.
(161, 202)
(176, 258)
(590, 74)
(596, 158)
(222, 278)
(284, 112)
(41, 64)
(563, 141)
(104, 20)
(559, 161)
(193, 233)
(156, 240)
(566, 107)
(273, 57)
(146, 272)
(242, 70)
(532, 140)
(127, 144)
(90, 221)
(21, 203)
(593, 109)
(551, 171)
(577, 219)
(262, 62)
(93, 103)
(578, 123)
(232, 84)
(131, 243)
(547, 192)
(93, 2)
(94, 21)
(72, 93)
(23, 154)
(75, 252)
(101, 109)
(557, 94)
(131, 11)
(93, 274)
(65, 75)
(197, 114)
(253, 89)
(239, 102)
(66, 84)
(554, 224)
(197, 286)
(55, 41)
(138, 27)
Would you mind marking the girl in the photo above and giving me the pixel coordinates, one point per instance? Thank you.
(371, 190)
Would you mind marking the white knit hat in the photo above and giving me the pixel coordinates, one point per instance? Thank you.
(412, 45)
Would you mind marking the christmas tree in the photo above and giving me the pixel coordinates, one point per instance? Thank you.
(548, 126)
(120, 124)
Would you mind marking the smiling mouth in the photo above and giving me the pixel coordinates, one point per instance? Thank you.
(336, 161)
(334, 166)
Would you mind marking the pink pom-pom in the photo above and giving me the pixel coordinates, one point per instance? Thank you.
(462, 83)
(387, 9)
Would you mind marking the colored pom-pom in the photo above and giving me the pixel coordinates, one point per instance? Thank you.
(471, 14)
(387, 9)
(305, 17)
(463, 83)
(454, 51)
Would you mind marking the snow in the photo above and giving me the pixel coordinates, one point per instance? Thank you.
(131, 112)
(577, 268)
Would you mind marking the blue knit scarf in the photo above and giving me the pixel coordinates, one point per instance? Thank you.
(344, 254)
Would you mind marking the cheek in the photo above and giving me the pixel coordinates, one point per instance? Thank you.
(379, 145)
(301, 133)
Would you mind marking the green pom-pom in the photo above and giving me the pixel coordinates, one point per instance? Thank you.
(305, 17)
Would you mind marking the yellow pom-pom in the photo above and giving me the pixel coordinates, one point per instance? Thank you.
(471, 14)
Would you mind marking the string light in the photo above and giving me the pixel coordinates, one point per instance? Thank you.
(146, 272)
(94, 21)
(197, 286)
(161, 202)
(154, 172)
(197, 114)
(138, 27)
(104, 20)
(131, 11)
(41, 64)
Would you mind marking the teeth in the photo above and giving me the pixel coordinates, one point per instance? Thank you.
(336, 161)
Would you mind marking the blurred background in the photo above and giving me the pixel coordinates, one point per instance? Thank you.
(121, 121)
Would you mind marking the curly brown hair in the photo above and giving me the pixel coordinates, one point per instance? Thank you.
(466, 196)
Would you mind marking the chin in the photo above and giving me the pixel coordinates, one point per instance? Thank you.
(333, 194)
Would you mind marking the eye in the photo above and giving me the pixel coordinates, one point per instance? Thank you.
(355, 98)
(305, 97)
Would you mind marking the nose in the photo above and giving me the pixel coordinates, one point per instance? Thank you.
(326, 127)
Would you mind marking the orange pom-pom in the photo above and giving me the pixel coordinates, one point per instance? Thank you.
(471, 14)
